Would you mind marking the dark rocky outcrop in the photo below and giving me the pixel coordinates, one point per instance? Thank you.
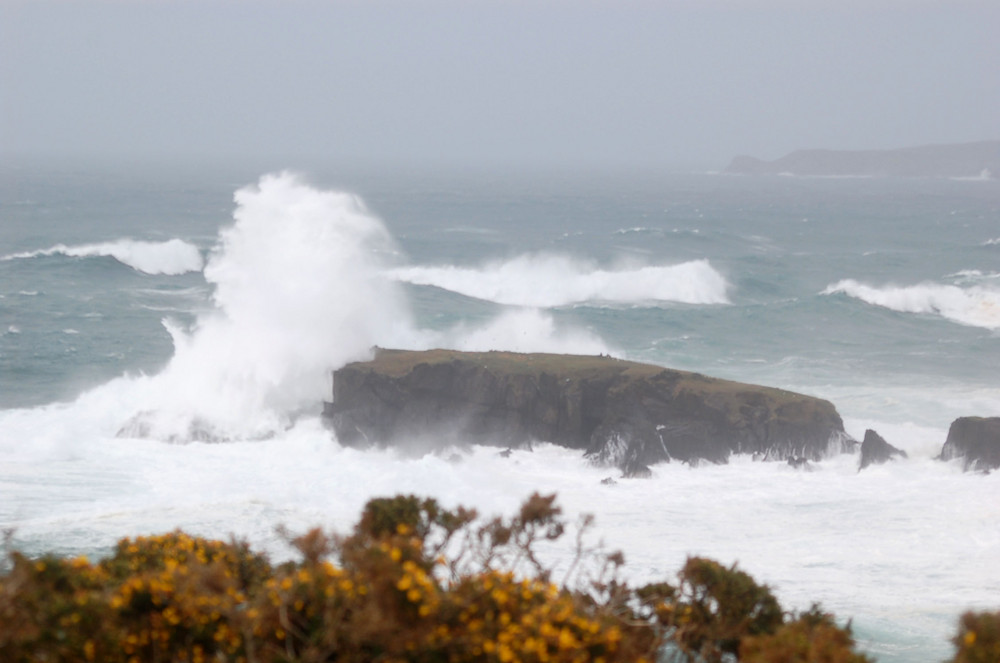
(966, 160)
(875, 450)
(619, 413)
(800, 463)
(976, 440)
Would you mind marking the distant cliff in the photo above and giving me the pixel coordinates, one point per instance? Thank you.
(966, 160)
(619, 413)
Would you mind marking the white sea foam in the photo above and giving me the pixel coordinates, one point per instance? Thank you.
(300, 288)
(909, 519)
(977, 306)
(546, 280)
(523, 330)
(301, 285)
(172, 257)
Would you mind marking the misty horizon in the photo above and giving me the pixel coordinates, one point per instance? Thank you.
(513, 84)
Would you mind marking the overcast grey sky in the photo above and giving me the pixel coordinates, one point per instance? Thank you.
(542, 82)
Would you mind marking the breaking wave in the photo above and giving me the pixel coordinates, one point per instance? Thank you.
(302, 284)
(169, 258)
(973, 305)
(548, 280)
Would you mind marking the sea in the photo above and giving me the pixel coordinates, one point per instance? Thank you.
(168, 333)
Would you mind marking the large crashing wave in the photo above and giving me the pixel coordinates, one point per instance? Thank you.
(169, 258)
(976, 304)
(547, 280)
(302, 285)
(299, 288)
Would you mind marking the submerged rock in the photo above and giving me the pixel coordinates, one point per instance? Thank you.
(875, 450)
(620, 413)
(800, 463)
(976, 440)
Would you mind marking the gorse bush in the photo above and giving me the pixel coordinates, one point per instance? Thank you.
(412, 582)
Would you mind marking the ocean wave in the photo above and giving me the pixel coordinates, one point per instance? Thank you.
(169, 258)
(548, 280)
(975, 305)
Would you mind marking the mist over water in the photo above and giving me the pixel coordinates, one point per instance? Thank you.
(298, 280)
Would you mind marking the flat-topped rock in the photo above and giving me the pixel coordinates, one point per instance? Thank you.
(976, 440)
(620, 413)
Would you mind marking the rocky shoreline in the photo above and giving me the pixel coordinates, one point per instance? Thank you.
(619, 413)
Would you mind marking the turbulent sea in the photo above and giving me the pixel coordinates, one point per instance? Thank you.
(173, 299)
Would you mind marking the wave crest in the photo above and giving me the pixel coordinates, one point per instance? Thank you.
(548, 280)
(298, 290)
(975, 305)
(169, 258)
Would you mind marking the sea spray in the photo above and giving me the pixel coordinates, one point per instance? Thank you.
(547, 280)
(524, 330)
(299, 288)
(303, 283)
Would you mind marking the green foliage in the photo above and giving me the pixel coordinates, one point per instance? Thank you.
(411, 582)
(978, 638)
(713, 609)
(813, 637)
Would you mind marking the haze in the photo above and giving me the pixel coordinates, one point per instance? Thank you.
(480, 82)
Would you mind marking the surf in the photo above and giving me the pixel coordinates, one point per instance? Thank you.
(169, 258)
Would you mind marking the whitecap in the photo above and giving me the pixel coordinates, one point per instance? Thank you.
(549, 280)
(976, 305)
(169, 258)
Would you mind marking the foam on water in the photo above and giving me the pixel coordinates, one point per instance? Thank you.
(901, 548)
(305, 280)
(170, 258)
(547, 280)
(298, 290)
(977, 306)
(300, 287)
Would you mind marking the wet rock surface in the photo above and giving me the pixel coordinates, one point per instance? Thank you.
(619, 413)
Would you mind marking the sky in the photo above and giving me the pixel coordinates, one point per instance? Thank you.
(547, 82)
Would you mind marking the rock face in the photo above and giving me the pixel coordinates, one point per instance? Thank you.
(976, 440)
(875, 450)
(619, 413)
(967, 160)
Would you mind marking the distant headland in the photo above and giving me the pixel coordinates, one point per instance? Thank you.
(979, 160)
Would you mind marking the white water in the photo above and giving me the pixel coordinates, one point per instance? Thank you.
(303, 282)
(170, 258)
(547, 280)
(976, 305)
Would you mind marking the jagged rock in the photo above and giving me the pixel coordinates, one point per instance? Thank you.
(976, 440)
(637, 471)
(800, 463)
(619, 413)
(874, 449)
